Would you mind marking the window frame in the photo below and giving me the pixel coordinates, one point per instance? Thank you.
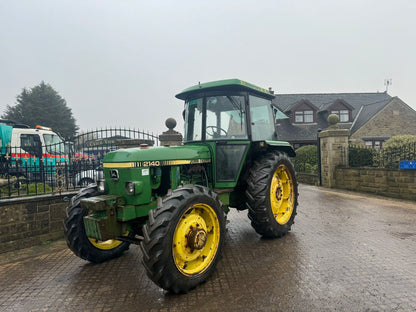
(303, 114)
(204, 97)
(376, 144)
(346, 112)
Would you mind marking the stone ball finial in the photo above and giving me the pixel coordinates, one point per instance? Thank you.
(170, 123)
(333, 119)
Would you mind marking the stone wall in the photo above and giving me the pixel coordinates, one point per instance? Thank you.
(336, 174)
(25, 222)
(387, 182)
(307, 178)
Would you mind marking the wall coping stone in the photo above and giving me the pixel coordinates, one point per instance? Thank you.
(334, 133)
(37, 198)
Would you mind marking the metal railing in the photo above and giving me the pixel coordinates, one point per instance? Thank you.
(32, 169)
(360, 156)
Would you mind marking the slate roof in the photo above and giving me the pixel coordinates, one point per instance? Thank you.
(366, 112)
(286, 131)
(324, 107)
(356, 100)
(365, 106)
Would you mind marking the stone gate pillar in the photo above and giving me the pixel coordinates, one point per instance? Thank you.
(170, 137)
(334, 150)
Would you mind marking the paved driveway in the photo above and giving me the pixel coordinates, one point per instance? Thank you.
(346, 252)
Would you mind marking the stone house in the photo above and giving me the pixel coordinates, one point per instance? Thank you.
(372, 118)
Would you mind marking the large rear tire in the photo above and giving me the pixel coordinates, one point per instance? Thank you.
(184, 238)
(83, 246)
(272, 195)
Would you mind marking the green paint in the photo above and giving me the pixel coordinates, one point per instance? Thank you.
(127, 213)
(225, 199)
(175, 177)
(224, 85)
(142, 181)
(92, 224)
(156, 170)
(188, 152)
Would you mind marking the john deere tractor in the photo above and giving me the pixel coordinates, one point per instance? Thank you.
(173, 200)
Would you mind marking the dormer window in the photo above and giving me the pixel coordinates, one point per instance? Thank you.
(305, 116)
(344, 115)
(302, 112)
(340, 108)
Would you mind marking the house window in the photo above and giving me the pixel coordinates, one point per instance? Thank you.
(344, 115)
(376, 144)
(304, 116)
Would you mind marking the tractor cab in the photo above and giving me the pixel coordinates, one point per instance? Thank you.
(228, 110)
(234, 118)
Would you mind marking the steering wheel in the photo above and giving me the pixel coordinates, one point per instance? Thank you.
(214, 129)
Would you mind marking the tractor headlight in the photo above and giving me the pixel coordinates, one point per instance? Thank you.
(100, 182)
(130, 188)
(101, 186)
(134, 188)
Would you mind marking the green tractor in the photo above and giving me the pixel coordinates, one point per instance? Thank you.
(173, 200)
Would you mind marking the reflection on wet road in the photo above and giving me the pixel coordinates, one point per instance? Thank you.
(346, 252)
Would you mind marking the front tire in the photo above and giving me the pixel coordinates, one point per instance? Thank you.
(272, 195)
(184, 238)
(84, 247)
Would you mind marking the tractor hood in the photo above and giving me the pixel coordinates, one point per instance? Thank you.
(157, 156)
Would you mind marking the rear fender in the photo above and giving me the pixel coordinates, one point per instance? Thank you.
(281, 146)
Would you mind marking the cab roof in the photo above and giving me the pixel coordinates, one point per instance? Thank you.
(224, 85)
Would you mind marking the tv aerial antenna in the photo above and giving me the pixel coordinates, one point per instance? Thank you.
(387, 83)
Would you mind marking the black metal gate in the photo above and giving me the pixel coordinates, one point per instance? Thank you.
(30, 169)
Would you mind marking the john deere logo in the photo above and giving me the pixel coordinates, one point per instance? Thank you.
(114, 175)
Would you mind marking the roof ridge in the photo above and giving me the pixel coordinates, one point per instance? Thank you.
(356, 118)
(332, 93)
(386, 100)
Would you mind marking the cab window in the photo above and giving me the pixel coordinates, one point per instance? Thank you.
(262, 121)
(193, 120)
(226, 118)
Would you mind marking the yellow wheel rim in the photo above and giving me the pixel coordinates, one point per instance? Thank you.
(282, 194)
(104, 245)
(196, 239)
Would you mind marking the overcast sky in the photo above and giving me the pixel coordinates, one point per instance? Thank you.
(120, 63)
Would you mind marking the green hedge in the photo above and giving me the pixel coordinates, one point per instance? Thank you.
(361, 156)
(307, 159)
(399, 141)
(23, 189)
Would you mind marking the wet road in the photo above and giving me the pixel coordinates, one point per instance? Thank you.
(346, 252)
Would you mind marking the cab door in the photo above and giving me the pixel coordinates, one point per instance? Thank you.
(226, 130)
(229, 160)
